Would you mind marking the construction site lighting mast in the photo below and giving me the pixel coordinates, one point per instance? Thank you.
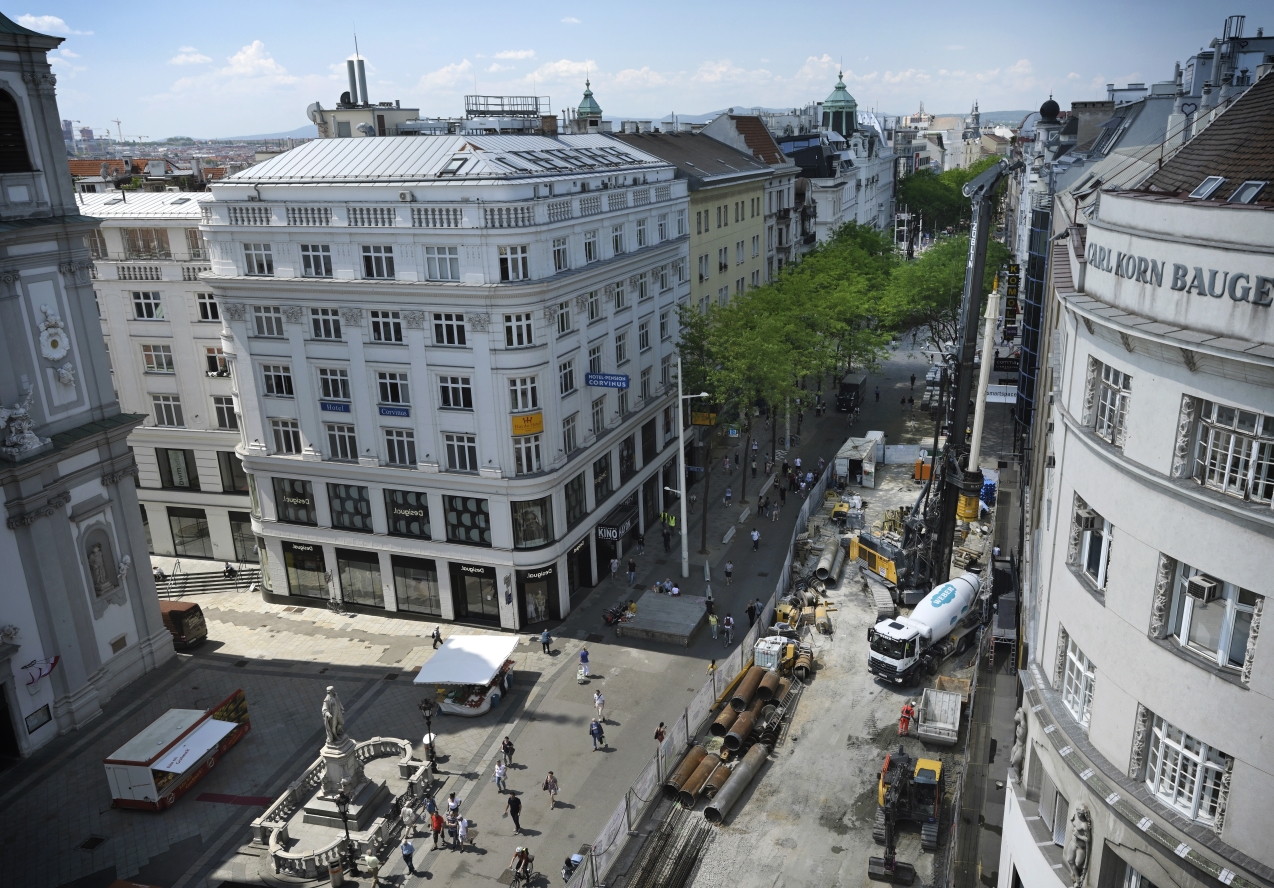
(959, 478)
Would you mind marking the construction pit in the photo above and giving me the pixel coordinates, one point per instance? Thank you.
(807, 816)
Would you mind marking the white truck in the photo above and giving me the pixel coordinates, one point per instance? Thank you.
(941, 624)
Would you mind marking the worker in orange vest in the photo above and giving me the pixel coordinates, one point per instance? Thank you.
(904, 723)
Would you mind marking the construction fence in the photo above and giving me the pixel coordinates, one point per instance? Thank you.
(644, 794)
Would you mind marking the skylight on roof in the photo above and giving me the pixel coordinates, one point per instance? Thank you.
(1207, 187)
(1247, 192)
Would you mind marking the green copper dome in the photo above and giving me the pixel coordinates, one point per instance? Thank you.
(840, 99)
(589, 107)
(840, 111)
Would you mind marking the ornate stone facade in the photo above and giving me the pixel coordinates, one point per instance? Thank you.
(1164, 576)
(1185, 437)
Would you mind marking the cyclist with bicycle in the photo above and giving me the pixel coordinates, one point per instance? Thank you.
(521, 865)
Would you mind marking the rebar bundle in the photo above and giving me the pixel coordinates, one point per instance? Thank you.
(672, 853)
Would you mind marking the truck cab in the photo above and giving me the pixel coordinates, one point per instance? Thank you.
(895, 650)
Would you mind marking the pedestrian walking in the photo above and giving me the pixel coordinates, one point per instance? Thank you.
(802, 487)
(821, 465)
(408, 850)
(550, 786)
(709, 606)
(729, 493)
(667, 540)
(877, 394)
(431, 805)
(728, 625)
(729, 571)
(782, 496)
(513, 807)
(774, 512)
(736, 459)
(437, 637)
(436, 824)
(506, 749)
(712, 624)
(499, 776)
(760, 611)
(408, 817)
(583, 660)
(754, 468)
(614, 568)
(913, 380)
(755, 447)
(756, 539)
(791, 481)
(462, 833)
(786, 467)
(371, 866)
(725, 464)
(712, 667)
(632, 571)
(453, 805)
(641, 544)
(660, 733)
(750, 610)
(598, 734)
(797, 464)
(911, 404)
(545, 641)
(599, 703)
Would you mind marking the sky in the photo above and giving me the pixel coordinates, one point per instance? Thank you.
(237, 68)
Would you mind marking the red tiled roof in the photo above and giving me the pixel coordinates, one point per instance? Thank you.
(94, 167)
(758, 138)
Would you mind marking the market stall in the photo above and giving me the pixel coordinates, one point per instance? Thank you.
(173, 752)
(470, 672)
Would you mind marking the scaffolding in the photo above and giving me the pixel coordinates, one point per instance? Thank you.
(506, 106)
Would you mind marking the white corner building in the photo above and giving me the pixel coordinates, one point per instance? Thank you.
(453, 359)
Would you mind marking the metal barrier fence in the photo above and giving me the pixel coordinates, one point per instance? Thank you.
(644, 793)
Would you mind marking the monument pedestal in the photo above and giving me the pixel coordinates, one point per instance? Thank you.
(344, 772)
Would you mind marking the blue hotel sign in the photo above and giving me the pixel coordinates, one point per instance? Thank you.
(395, 411)
(334, 407)
(606, 380)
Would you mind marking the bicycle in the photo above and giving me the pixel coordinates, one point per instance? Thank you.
(336, 606)
(524, 877)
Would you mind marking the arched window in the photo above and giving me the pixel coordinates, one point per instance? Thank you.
(13, 143)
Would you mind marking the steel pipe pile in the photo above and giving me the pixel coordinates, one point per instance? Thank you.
(721, 726)
(714, 783)
(740, 778)
(687, 767)
(741, 730)
(690, 788)
(747, 688)
(768, 687)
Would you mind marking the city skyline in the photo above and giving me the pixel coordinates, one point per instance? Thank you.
(256, 74)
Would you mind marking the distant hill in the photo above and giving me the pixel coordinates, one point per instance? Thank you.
(1013, 117)
(309, 131)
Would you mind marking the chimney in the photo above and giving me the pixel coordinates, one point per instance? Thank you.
(353, 81)
(362, 83)
(548, 124)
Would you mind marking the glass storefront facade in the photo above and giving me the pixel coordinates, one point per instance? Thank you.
(538, 599)
(305, 569)
(576, 501)
(359, 573)
(351, 507)
(468, 520)
(475, 593)
(579, 570)
(407, 514)
(245, 544)
(190, 532)
(294, 501)
(532, 523)
(416, 585)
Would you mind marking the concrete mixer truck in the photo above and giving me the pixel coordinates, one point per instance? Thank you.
(941, 624)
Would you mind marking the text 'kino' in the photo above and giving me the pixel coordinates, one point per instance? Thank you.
(1238, 285)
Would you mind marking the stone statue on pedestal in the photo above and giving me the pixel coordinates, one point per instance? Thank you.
(1017, 758)
(333, 717)
(343, 771)
(1076, 851)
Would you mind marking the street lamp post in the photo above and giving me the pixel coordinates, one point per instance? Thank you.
(681, 464)
(427, 710)
(342, 805)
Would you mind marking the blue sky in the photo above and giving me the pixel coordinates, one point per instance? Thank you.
(235, 68)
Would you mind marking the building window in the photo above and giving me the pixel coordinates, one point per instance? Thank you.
(326, 323)
(756, 245)
(190, 532)
(168, 411)
(704, 270)
(334, 384)
(233, 478)
(1095, 545)
(449, 329)
(738, 287)
(400, 447)
(645, 383)
(177, 469)
(342, 444)
(621, 296)
(287, 435)
(1112, 404)
(627, 458)
(723, 297)
(147, 307)
(407, 513)
(560, 260)
(738, 253)
(195, 246)
(316, 260)
(665, 325)
(462, 452)
(294, 501)
(416, 583)
(570, 434)
(665, 371)
(662, 230)
(207, 307)
(1077, 683)
(599, 416)
(393, 388)
(1184, 772)
(359, 574)
(564, 317)
(1212, 617)
(621, 348)
(1234, 452)
(514, 264)
(526, 454)
(226, 419)
(723, 260)
(146, 243)
(641, 233)
(387, 326)
(617, 239)
(643, 287)
(602, 479)
(665, 278)
(643, 335)
(351, 507)
(566, 377)
(576, 501)
(268, 320)
(523, 393)
(278, 380)
(378, 262)
(532, 523)
(699, 222)
(621, 402)
(442, 263)
(590, 246)
(517, 330)
(158, 358)
(756, 277)
(456, 392)
(595, 312)
(595, 359)
(681, 222)
(96, 244)
(258, 259)
(468, 520)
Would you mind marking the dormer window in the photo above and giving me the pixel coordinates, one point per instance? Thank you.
(13, 142)
(1247, 192)
(453, 166)
(1207, 187)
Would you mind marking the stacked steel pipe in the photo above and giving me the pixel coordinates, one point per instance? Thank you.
(743, 694)
(714, 783)
(741, 730)
(689, 791)
(768, 687)
(687, 767)
(738, 782)
(721, 726)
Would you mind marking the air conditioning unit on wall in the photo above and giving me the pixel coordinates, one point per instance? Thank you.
(1086, 519)
(1203, 588)
(405, 196)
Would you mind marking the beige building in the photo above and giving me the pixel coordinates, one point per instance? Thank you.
(726, 215)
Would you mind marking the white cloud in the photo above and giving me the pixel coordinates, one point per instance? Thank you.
(639, 77)
(189, 56)
(496, 68)
(254, 62)
(446, 77)
(564, 69)
(1072, 76)
(67, 54)
(516, 54)
(571, 20)
(47, 24)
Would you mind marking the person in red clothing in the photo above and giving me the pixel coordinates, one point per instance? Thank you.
(904, 723)
(436, 823)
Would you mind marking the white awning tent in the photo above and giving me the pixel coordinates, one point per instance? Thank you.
(194, 745)
(467, 660)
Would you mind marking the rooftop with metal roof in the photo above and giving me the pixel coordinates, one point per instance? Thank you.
(421, 160)
(699, 158)
(182, 205)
